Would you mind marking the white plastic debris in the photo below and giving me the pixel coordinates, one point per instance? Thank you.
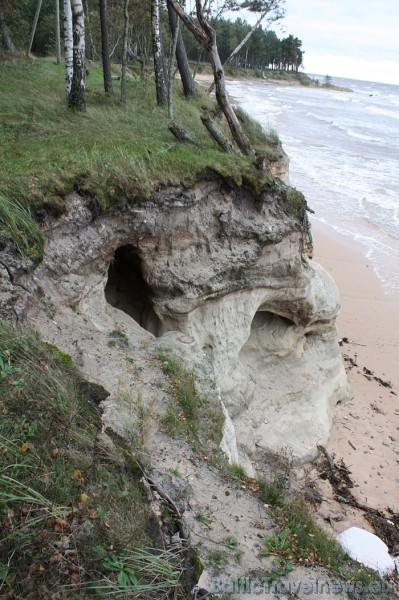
(367, 549)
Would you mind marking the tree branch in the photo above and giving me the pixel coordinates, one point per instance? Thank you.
(189, 22)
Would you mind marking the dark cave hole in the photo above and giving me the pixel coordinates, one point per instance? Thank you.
(264, 318)
(127, 290)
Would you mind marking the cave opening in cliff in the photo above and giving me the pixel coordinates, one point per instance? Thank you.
(271, 336)
(127, 290)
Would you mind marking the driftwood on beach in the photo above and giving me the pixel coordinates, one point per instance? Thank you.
(386, 526)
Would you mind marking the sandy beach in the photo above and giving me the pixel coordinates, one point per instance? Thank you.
(365, 432)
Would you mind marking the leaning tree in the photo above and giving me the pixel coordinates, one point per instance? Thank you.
(205, 35)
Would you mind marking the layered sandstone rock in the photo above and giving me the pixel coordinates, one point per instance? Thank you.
(218, 274)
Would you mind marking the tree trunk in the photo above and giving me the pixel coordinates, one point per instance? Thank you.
(5, 34)
(206, 36)
(180, 133)
(34, 25)
(68, 45)
(197, 65)
(159, 65)
(217, 135)
(93, 51)
(57, 31)
(77, 97)
(189, 87)
(105, 48)
(236, 129)
(170, 68)
(124, 54)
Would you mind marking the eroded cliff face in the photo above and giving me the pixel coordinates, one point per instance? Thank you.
(219, 276)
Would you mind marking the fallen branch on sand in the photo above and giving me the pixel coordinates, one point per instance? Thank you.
(385, 526)
(371, 376)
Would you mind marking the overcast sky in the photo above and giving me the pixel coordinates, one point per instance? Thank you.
(358, 39)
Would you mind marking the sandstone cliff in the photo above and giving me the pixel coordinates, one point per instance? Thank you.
(219, 275)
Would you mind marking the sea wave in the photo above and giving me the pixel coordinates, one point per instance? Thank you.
(364, 136)
(383, 111)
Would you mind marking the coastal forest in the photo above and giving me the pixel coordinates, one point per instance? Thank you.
(262, 50)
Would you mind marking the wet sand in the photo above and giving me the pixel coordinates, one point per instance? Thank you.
(365, 432)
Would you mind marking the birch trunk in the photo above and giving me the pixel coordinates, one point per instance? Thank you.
(125, 51)
(68, 46)
(159, 65)
(77, 97)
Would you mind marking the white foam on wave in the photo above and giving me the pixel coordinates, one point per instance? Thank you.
(374, 250)
(364, 136)
(383, 199)
(383, 111)
(343, 157)
(342, 97)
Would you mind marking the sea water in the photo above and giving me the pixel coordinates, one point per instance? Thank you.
(344, 156)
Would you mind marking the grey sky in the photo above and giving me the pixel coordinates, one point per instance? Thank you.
(349, 38)
(358, 39)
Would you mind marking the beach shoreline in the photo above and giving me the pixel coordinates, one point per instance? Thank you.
(365, 429)
(206, 79)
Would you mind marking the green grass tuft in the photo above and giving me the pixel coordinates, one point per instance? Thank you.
(295, 204)
(264, 141)
(18, 225)
(67, 504)
(191, 417)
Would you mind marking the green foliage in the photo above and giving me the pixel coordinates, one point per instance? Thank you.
(202, 517)
(126, 577)
(231, 542)
(185, 391)
(263, 50)
(19, 17)
(295, 204)
(237, 472)
(274, 488)
(281, 568)
(118, 338)
(64, 359)
(138, 570)
(217, 559)
(302, 541)
(303, 538)
(118, 334)
(191, 417)
(6, 368)
(299, 540)
(281, 544)
(64, 500)
(175, 471)
(17, 224)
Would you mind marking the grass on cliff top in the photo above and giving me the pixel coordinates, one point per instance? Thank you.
(113, 153)
(74, 517)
